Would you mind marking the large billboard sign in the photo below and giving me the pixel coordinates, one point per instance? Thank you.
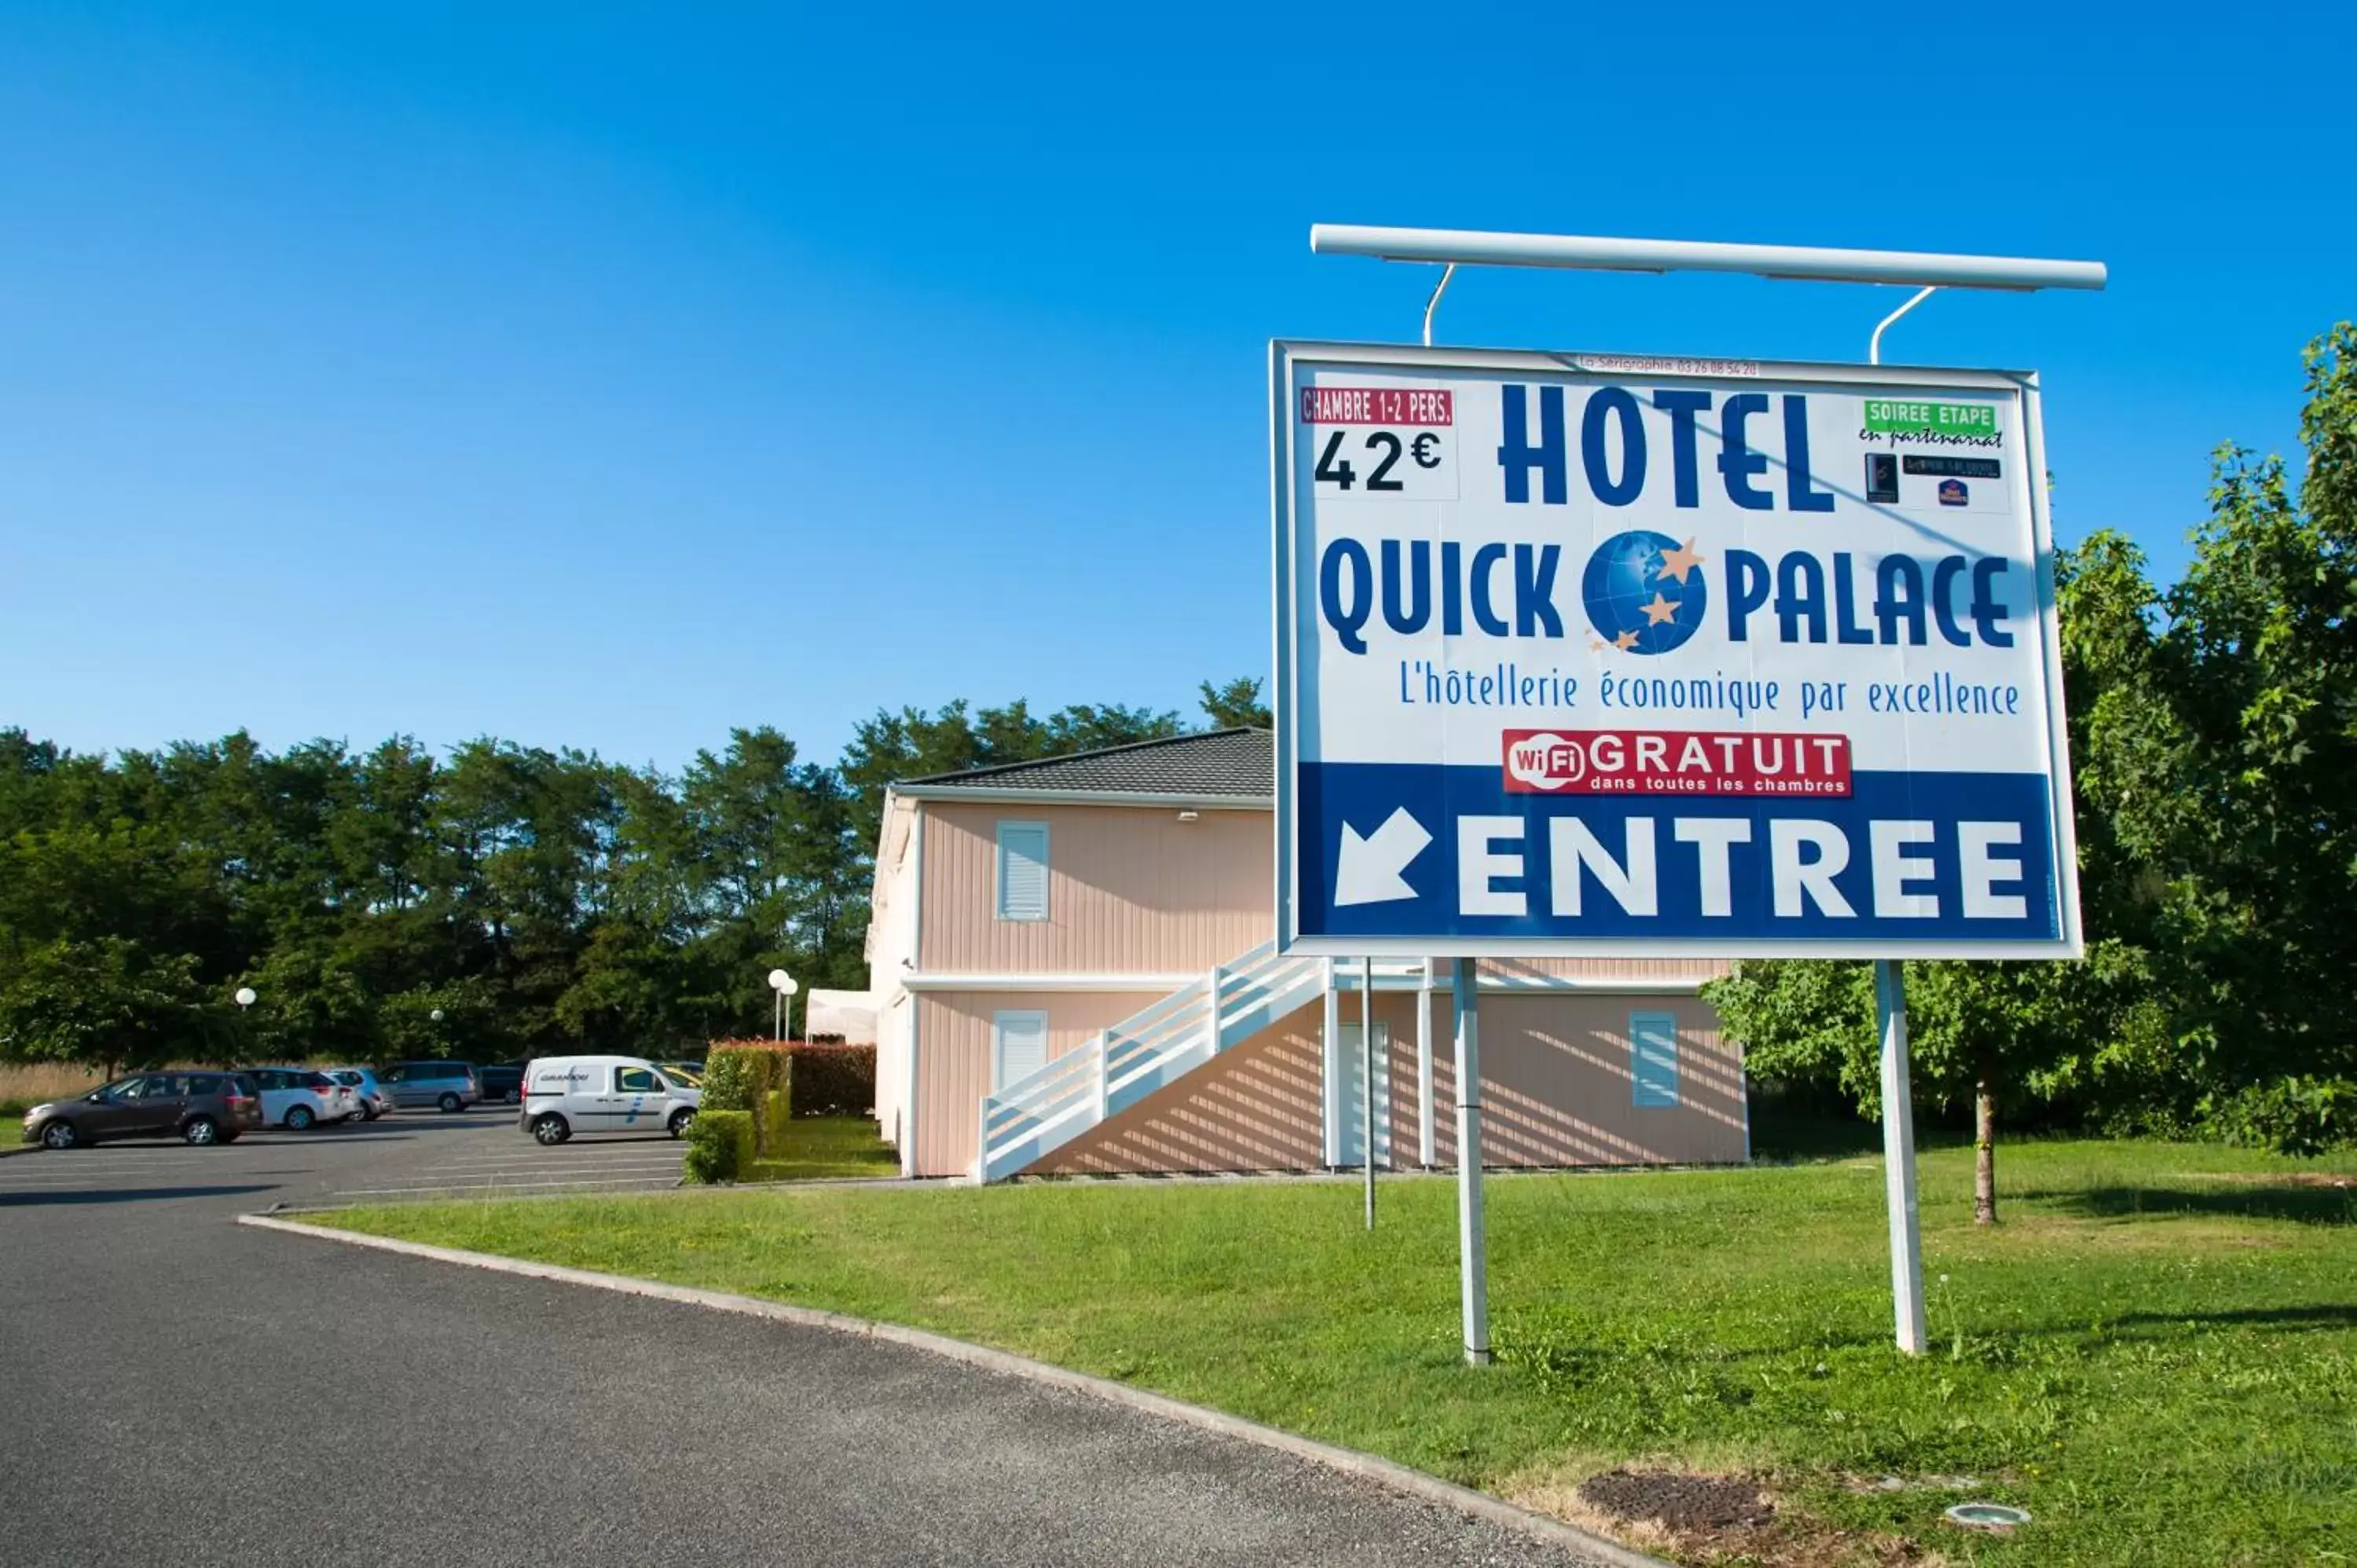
(1606, 654)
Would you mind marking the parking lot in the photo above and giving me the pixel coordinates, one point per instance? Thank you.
(164, 1366)
(480, 1152)
(409, 1155)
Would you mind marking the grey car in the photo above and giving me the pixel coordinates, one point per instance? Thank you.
(373, 1100)
(200, 1107)
(444, 1086)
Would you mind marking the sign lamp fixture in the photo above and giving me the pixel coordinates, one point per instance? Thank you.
(1453, 248)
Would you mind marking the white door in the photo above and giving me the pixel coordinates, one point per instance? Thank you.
(641, 1092)
(1350, 1098)
(1018, 1048)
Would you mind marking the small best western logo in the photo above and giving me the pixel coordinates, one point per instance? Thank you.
(1656, 762)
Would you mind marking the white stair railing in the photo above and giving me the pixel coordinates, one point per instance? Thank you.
(1041, 1111)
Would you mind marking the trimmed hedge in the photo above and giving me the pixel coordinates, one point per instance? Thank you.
(719, 1147)
(834, 1081)
(828, 1081)
(754, 1077)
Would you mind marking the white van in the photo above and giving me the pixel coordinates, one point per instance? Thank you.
(565, 1095)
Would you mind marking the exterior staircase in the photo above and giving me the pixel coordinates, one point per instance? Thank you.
(1041, 1111)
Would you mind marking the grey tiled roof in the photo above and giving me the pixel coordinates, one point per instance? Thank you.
(1230, 762)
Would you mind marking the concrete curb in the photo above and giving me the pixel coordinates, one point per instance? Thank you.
(1396, 1477)
(682, 1189)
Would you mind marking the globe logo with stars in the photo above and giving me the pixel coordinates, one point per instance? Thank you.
(1644, 592)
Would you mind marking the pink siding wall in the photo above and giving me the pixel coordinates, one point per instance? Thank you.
(1555, 1091)
(1131, 890)
(953, 1058)
(1255, 1108)
(1654, 969)
(1556, 1086)
(891, 939)
(1259, 1108)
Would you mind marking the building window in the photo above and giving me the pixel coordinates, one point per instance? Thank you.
(1653, 1059)
(1019, 1046)
(1022, 871)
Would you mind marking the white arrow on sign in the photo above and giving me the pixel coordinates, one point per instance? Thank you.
(1368, 869)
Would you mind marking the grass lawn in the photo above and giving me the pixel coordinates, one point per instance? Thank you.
(825, 1148)
(2156, 1354)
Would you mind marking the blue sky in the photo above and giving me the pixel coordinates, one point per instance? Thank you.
(606, 378)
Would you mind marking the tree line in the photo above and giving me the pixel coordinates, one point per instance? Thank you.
(2213, 741)
(497, 903)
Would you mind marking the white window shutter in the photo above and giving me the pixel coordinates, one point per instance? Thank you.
(1022, 871)
(1019, 1046)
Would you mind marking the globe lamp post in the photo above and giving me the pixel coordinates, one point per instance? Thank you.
(784, 984)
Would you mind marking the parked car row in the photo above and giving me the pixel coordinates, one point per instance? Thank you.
(557, 1096)
(219, 1106)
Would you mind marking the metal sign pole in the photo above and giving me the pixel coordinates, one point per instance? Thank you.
(1473, 1247)
(1899, 1157)
(1424, 1116)
(1367, 1052)
(1329, 1036)
(1898, 1090)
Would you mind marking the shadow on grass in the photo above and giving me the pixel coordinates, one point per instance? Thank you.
(1784, 1136)
(2323, 1314)
(1536, 1349)
(2302, 1204)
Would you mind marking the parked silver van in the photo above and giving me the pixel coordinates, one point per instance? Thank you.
(446, 1086)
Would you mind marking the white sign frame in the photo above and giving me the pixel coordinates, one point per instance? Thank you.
(1286, 356)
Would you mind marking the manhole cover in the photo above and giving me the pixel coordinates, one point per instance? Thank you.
(1987, 1516)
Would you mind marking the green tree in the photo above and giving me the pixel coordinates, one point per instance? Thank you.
(2213, 733)
(782, 879)
(2001, 1036)
(470, 1028)
(1235, 704)
(383, 842)
(627, 995)
(911, 744)
(2240, 791)
(108, 1003)
(309, 1005)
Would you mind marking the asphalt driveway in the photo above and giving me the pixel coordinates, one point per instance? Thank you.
(174, 1388)
(480, 1153)
(409, 1155)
